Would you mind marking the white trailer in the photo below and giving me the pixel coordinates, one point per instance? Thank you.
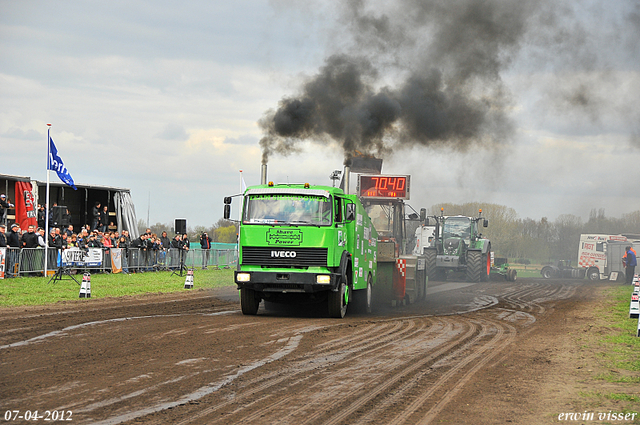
(601, 255)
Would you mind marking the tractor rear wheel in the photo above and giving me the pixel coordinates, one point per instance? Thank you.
(475, 266)
(433, 272)
(486, 271)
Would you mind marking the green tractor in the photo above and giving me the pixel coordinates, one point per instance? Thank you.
(459, 246)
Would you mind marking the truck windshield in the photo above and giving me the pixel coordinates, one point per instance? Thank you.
(288, 209)
(382, 219)
(457, 227)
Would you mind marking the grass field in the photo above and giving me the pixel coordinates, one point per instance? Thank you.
(612, 348)
(37, 290)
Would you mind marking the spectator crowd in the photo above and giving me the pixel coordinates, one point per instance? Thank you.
(97, 235)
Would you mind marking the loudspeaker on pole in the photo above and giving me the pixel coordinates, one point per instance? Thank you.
(188, 282)
(180, 226)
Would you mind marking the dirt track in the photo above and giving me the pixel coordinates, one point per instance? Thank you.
(191, 359)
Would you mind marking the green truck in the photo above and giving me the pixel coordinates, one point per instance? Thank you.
(300, 243)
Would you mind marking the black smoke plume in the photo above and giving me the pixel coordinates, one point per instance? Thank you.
(445, 60)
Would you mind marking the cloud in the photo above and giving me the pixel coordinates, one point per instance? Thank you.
(173, 132)
(17, 133)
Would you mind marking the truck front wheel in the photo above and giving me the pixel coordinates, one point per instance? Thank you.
(547, 272)
(593, 274)
(337, 301)
(249, 302)
(362, 298)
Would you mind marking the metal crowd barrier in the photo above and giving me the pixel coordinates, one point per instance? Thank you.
(30, 261)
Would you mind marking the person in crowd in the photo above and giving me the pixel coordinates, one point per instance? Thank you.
(95, 213)
(630, 263)
(3, 236)
(124, 245)
(93, 242)
(166, 242)
(104, 217)
(69, 230)
(106, 241)
(51, 223)
(176, 250)
(55, 244)
(30, 239)
(72, 241)
(155, 247)
(13, 253)
(4, 206)
(65, 240)
(166, 246)
(139, 250)
(185, 242)
(42, 215)
(55, 238)
(13, 240)
(82, 239)
(41, 238)
(205, 244)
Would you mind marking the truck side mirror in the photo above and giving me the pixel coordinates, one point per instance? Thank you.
(423, 214)
(485, 223)
(351, 212)
(227, 211)
(227, 200)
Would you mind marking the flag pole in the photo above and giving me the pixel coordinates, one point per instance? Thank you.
(46, 209)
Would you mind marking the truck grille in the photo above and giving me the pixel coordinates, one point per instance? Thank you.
(284, 257)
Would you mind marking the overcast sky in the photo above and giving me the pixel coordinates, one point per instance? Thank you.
(164, 98)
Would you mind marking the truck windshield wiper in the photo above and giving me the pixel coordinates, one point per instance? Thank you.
(294, 222)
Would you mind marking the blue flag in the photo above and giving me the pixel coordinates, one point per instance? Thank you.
(55, 163)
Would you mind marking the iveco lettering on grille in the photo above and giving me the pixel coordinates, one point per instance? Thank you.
(283, 254)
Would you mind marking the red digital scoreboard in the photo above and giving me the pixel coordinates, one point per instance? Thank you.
(384, 186)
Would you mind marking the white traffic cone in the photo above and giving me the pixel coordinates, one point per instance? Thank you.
(188, 282)
(638, 332)
(83, 287)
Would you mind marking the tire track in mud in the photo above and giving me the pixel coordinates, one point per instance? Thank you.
(531, 295)
(371, 339)
(461, 356)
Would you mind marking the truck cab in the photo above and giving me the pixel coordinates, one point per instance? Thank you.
(300, 243)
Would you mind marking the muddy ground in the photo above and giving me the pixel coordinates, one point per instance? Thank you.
(486, 353)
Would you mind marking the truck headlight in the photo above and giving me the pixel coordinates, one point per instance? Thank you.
(243, 277)
(324, 279)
